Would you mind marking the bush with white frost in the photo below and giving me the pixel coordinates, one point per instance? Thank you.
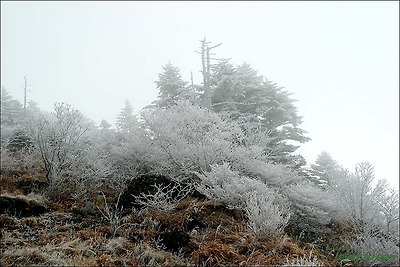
(8, 163)
(273, 175)
(165, 198)
(268, 212)
(303, 261)
(185, 138)
(227, 186)
(373, 247)
(313, 210)
(131, 155)
(57, 139)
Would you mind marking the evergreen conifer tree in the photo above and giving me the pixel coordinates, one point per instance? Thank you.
(170, 84)
(324, 169)
(11, 109)
(247, 97)
(104, 125)
(126, 121)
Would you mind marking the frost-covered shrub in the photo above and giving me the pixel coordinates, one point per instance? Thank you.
(7, 131)
(107, 159)
(303, 261)
(8, 163)
(227, 186)
(373, 248)
(274, 175)
(389, 207)
(185, 138)
(102, 163)
(26, 158)
(268, 212)
(20, 141)
(357, 194)
(9, 138)
(313, 210)
(57, 138)
(165, 197)
(131, 155)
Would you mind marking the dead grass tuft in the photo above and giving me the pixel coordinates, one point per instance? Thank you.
(116, 246)
(23, 257)
(105, 260)
(8, 185)
(106, 230)
(258, 258)
(216, 254)
(30, 222)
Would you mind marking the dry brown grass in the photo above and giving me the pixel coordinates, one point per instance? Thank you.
(7, 185)
(29, 222)
(11, 179)
(22, 257)
(215, 253)
(66, 236)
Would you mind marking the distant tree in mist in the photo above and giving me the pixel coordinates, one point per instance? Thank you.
(206, 57)
(5, 106)
(32, 109)
(126, 120)
(170, 85)
(12, 112)
(104, 125)
(324, 169)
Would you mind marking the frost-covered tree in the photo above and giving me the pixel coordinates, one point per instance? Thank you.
(32, 109)
(13, 132)
(313, 210)
(131, 156)
(170, 85)
(367, 194)
(324, 169)
(206, 58)
(247, 97)
(358, 194)
(104, 125)
(236, 89)
(11, 109)
(5, 106)
(371, 209)
(126, 120)
(96, 162)
(389, 207)
(57, 138)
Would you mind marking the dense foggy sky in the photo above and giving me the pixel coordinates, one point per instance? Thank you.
(339, 59)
